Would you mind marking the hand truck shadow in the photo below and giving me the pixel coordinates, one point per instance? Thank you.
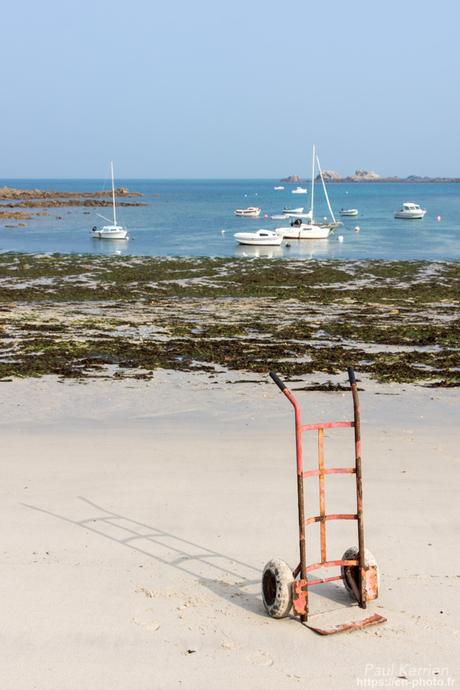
(186, 556)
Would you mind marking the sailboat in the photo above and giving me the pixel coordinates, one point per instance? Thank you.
(113, 231)
(312, 230)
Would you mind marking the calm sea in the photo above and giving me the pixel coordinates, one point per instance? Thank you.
(195, 218)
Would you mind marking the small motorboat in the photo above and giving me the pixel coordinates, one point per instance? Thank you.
(250, 212)
(278, 189)
(261, 238)
(410, 211)
(286, 211)
(349, 211)
(299, 190)
(278, 216)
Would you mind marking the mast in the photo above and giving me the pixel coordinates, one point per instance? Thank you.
(325, 190)
(312, 200)
(113, 196)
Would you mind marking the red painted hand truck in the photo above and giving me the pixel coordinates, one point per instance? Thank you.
(283, 588)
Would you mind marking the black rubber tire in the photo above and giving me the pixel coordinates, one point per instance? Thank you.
(352, 554)
(277, 582)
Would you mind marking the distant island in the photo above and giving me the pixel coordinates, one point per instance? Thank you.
(368, 176)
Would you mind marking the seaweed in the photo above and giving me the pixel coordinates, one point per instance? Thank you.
(75, 316)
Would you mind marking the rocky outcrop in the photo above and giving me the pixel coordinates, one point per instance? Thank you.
(330, 176)
(364, 176)
(12, 193)
(44, 198)
(292, 179)
(51, 203)
(371, 176)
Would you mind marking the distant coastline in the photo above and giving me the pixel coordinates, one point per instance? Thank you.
(370, 176)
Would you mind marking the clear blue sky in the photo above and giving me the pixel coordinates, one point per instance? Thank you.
(237, 89)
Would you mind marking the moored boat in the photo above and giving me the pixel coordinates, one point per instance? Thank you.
(410, 211)
(349, 212)
(287, 211)
(250, 212)
(297, 215)
(261, 238)
(113, 231)
(304, 231)
(299, 190)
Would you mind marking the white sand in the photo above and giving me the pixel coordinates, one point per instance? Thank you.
(137, 517)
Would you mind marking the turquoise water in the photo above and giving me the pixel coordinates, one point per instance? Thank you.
(187, 217)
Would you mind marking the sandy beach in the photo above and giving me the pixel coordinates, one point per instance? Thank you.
(138, 515)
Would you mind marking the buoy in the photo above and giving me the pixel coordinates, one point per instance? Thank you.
(265, 215)
(340, 238)
(356, 228)
(438, 218)
(287, 245)
(222, 232)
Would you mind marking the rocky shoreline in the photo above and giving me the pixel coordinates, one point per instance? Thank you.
(13, 201)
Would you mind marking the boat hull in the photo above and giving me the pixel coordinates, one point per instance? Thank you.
(349, 213)
(110, 234)
(410, 215)
(248, 212)
(259, 239)
(304, 232)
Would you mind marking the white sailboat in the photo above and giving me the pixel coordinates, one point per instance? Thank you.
(312, 230)
(113, 231)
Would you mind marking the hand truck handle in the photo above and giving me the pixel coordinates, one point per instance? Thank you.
(278, 381)
(351, 375)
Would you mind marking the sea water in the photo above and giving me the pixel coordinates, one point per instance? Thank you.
(196, 218)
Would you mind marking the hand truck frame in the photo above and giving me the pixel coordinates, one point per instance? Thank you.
(283, 588)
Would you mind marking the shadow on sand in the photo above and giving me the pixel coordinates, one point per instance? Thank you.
(226, 577)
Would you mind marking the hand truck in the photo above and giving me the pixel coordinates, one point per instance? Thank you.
(283, 589)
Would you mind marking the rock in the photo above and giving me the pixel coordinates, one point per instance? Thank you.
(292, 179)
(330, 176)
(365, 176)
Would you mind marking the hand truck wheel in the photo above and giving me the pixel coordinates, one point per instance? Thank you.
(350, 574)
(277, 582)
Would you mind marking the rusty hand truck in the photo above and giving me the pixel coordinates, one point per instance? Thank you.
(283, 588)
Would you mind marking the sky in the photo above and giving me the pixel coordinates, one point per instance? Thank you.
(229, 90)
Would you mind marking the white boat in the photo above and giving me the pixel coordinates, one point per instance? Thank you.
(299, 190)
(112, 231)
(287, 211)
(250, 212)
(278, 216)
(304, 231)
(410, 211)
(349, 212)
(312, 230)
(278, 189)
(297, 215)
(261, 238)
